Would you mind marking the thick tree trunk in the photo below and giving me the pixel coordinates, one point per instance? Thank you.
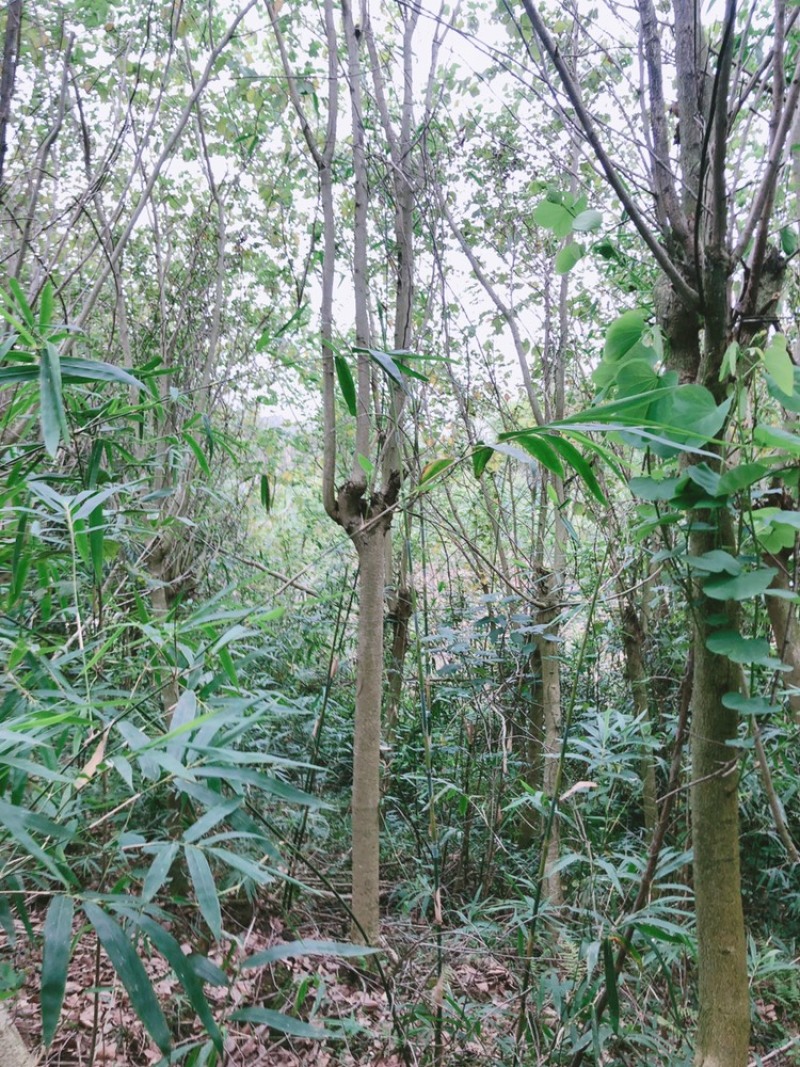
(367, 736)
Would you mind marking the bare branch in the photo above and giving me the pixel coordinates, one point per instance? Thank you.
(687, 294)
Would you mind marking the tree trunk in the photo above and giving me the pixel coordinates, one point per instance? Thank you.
(633, 638)
(367, 736)
(723, 1025)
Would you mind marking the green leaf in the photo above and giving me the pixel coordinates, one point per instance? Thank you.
(430, 470)
(57, 938)
(18, 821)
(211, 818)
(266, 499)
(568, 256)
(580, 464)
(132, 974)
(789, 241)
(653, 490)
(717, 561)
(284, 1024)
(205, 889)
(612, 991)
(742, 587)
(774, 437)
(749, 705)
(740, 649)
(587, 221)
(158, 871)
(779, 364)
(198, 452)
(537, 446)
(481, 455)
(295, 949)
(21, 301)
(186, 973)
(346, 383)
(554, 217)
(741, 477)
(52, 415)
(386, 363)
(46, 307)
(623, 333)
(708, 480)
(91, 370)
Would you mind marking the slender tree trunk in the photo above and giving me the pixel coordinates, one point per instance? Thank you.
(367, 735)
(723, 1025)
(633, 638)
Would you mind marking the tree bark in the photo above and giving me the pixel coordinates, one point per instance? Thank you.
(367, 736)
(723, 1024)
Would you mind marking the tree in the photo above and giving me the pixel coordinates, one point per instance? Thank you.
(705, 235)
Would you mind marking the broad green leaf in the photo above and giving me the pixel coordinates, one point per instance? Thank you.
(623, 333)
(749, 705)
(554, 217)
(708, 480)
(346, 383)
(741, 477)
(205, 889)
(51, 401)
(132, 974)
(366, 464)
(775, 437)
(57, 938)
(295, 949)
(689, 414)
(717, 561)
(430, 470)
(284, 1024)
(653, 490)
(741, 587)
(779, 364)
(568, 256)
(587, 221)
(740, 649)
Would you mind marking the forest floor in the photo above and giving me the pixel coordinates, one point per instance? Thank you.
(476, 992)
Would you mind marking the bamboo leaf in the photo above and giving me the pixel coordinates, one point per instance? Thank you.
(205, 889)
(284, 1024)
(52, 415)
(57, 937)
(131, 973)
(346, 383)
